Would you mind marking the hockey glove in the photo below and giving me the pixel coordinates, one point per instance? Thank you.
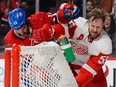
(67, 12)
(72, 13)
(43, 34)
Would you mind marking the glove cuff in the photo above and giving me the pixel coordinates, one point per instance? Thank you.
(60, 18)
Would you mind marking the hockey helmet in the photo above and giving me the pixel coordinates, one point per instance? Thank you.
(17, 18)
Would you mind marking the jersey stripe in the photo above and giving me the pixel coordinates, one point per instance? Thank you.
(88, 68)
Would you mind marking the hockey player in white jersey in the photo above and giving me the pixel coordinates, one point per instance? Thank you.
(91, 44)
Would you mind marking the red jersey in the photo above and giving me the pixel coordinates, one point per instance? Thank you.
(36, 21)
(11, 39)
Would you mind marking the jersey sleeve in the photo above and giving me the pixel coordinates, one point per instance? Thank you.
(91, 68)
(64, 29)
(72, 29)
(39, 19)
(58, 30)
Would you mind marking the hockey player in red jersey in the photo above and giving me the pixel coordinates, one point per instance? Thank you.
(91, 45)
(26, 31)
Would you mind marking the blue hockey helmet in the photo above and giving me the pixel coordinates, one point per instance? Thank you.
(17, 18)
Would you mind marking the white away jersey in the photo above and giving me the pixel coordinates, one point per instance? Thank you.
(83, 48)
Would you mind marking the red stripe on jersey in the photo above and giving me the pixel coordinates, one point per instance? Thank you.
(72, 31)
(72, 27)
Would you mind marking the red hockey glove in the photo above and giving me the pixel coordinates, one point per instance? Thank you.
(67, 12)
(60, 13)
(43, 34)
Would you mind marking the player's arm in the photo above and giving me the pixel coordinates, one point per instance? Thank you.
(91, 68)
(64, 15)
(47, 32)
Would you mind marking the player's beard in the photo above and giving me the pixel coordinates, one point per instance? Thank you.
(94, 35)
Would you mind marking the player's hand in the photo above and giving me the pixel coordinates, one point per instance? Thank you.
(67, 12)
(72, 13)
(43, 34)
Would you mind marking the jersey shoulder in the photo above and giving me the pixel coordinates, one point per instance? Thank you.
(81, 22)
(9, 37)
(82, 27)
(102, 44)
(9, 34)
(39, 19)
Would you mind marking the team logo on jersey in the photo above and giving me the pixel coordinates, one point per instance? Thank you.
(79, 48)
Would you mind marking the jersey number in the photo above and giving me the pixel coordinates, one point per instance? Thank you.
(102, 59)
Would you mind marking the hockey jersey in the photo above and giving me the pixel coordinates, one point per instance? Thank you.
(36, 21)
(90, 55)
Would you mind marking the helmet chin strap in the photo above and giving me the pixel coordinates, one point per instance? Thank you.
(15, 32)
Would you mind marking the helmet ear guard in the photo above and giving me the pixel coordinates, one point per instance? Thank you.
(17, 18)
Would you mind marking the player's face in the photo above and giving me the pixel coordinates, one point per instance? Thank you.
(95, 27)
(24, 31)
